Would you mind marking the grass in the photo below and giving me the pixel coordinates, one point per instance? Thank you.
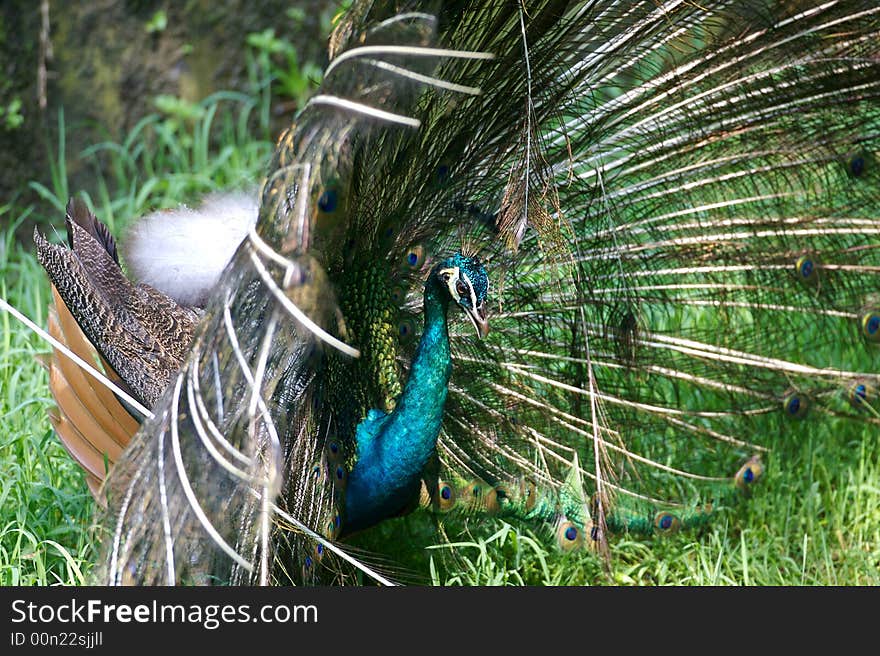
(44, 507)
(813, 520)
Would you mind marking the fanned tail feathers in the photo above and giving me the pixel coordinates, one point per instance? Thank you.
(92, 423)
(677, 207)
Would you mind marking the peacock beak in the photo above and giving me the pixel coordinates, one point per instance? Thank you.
(479, 319)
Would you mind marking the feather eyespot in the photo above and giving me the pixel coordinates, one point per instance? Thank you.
(442, 173)
(405, 330)
(414, 257)
(340, 476)
(334, 526)
(568, 536)
(334, 453)
(856, 163)
(871, 326)
(857, 166)
(749, 473)
(398, 295)
(666, 522)
(807, 269)
(795, 405)
(860, 394)
(445, 496)
(328, 201)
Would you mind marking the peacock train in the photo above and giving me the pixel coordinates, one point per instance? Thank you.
(572, 263)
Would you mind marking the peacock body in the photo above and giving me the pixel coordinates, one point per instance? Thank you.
(392, 449)
(677, 207)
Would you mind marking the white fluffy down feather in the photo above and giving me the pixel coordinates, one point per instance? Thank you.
(182, 252)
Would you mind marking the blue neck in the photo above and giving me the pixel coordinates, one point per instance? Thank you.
(393, 449)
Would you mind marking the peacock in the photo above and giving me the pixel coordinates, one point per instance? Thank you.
(668, 213)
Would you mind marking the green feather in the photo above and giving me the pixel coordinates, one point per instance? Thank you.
(677, 207)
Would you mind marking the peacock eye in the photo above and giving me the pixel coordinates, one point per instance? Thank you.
(461, 288)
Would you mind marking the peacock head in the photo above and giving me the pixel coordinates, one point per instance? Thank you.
(467, 283)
